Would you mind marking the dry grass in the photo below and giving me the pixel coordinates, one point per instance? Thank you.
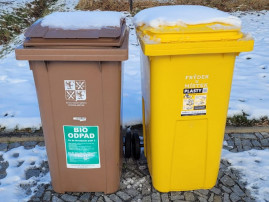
(123, 5)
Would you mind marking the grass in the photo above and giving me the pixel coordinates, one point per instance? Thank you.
(123, 5)
(12, 24)
(242, 120)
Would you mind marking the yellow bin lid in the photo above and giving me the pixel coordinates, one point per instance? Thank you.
(186, 29)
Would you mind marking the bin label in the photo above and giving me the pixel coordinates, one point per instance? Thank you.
(82, 146)
(194, 101)
(75, 92)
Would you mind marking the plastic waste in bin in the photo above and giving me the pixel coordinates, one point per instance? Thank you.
(188, 55)
(77, 72)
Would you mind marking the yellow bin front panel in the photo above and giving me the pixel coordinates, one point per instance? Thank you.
(183, 149)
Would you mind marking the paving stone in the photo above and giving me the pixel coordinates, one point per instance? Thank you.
(40, 191)
(3, 146)
(94, 199)
(216, 190)
(203, 191)
(100, 199)
(156, 197)
(16, 155)
(47, 196)
(244, 135)
(259, 135)
(13, 145)
(176, 195)
(256, 143)
(236, 189)
(35, 199)
(248, 193)
(20, 163)
(114, 197)
(247, 199)
(230, 143)
(200, 194)
(226, 197)
(237, 142)
(32, 172)
(164, 197)
(56, 199)
(211, 198)
(146, 190)
(265, 135)
(137, 198)
(234, 197)
(232, 175)
(146, 199)
(265, 143)
(69, 198)
(29, 144)
(85, 197)
(226, 137)
(202, 199)
(189, 196)
(98, 193)
(41, 144)
(107, 199)
(246, 142)
(217, 199)
(3, 166)
(242, 185)
(3, 175)
(123, 195)
(247, 148)
(226, 180)
(132, 192)
(233, 150)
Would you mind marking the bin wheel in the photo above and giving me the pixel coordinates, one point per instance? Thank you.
(128, 145)
(136, 146)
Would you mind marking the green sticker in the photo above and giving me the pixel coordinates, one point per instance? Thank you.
(82, 146)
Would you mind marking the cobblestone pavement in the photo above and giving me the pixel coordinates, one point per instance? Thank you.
(136, 184)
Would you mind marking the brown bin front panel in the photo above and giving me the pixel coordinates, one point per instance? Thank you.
(101, 108)
(93, 64)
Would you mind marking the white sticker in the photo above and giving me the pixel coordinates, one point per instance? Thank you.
(75, 92)
(79, 119)
(194, 101)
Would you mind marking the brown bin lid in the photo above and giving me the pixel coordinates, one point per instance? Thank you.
(55, 44)
(35, 32)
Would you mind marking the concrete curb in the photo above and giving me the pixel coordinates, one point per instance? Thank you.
(254, 129)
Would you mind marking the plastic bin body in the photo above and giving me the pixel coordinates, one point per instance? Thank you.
(94, 66)
(183, 146)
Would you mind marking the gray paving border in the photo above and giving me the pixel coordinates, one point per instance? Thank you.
(9, 137)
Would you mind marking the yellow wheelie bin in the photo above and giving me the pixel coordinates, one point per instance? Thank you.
(187, 72)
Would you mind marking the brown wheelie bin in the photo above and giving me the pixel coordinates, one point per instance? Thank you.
(77, 75)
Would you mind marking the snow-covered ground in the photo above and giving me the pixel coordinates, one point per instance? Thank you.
(253, 166)
(250, 89)
(9, 5)
(20, 160)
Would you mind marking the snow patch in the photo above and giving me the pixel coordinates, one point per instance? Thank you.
(10, 189)
(254, 166)
(183, 15)
(82, 20)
